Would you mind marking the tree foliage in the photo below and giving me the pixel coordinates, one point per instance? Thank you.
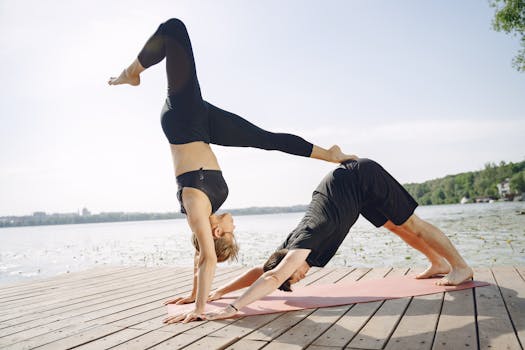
(510, 18)
(452, 188)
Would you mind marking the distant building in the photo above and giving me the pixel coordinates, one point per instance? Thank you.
(482, 199)
(504, 188)
(86, 212)
(464, 200)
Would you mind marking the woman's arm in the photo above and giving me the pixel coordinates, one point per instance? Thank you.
(265, 284)
(191, 298)
(198, 209)
(243, 281)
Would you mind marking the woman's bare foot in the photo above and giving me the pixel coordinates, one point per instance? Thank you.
(125, 78)
(441, 268)
(456, 276)
(337, 156)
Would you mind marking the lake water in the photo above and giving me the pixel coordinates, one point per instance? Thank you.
(485, 234)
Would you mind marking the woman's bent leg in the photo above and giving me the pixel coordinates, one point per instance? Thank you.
(171, 40)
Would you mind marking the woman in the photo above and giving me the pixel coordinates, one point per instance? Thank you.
(191, 125)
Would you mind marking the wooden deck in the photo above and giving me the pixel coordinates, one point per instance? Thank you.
(121, 308)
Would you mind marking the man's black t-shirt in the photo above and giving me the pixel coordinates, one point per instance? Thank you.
(337, 202)
(333, 210)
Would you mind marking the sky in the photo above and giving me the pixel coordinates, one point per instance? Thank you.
(426, 88)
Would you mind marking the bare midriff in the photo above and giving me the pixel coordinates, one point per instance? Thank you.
(193, 156)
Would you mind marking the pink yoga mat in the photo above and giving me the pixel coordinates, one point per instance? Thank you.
(315, 296)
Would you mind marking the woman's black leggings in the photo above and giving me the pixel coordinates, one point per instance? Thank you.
(186, 117)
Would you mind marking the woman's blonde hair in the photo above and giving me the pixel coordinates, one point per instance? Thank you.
(225, 248)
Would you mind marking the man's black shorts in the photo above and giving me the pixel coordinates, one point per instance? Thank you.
(383, 198)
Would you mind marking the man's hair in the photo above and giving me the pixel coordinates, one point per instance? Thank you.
(225, 248)
(272, 263)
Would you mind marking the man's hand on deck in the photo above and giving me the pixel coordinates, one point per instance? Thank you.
(217, 314)
(214, 296)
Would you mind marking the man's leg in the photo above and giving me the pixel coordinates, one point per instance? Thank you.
(438, 265)
(397, 205)
(440, 243)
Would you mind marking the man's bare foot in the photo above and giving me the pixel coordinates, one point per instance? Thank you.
(337, 156)
(441, 268)
(125, 78)
(456, 276)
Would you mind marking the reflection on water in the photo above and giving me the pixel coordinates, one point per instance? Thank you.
(485, 234)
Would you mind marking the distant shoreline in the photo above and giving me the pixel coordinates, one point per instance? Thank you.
(44, 219)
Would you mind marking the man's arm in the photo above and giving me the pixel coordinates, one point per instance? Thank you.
(243, 281)
(265, 284)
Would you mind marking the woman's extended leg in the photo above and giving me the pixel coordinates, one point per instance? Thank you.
(228, 129)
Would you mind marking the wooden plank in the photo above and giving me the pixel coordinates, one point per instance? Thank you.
(285, 320)
(306, 331)
(152, 319)
(97, 304)
(95, 281)
(495, 330)
(521, 271)
(210, 343)
(78, 298)
(110, 340)
(512, 288)
(79, 321)
(244, 344)
(417, 327)
(54, 303)
(457, 325)
(341, 332)
(49, 341)
(128, 315)
(65, 332)
(65, 282)
(378, 329)
(246, 325)
(177, 342)
(144, 341)
(210, 328)
(46, 281)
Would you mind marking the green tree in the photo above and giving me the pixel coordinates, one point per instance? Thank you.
(510, 18)
(517, 182)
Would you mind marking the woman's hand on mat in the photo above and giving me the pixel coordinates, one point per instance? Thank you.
(217, 314)
(180, 300)
(185, 317)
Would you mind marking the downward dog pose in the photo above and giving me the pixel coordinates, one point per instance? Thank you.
(190, 125)
(355, 187)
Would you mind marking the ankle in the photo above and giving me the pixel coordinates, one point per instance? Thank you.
(460, 266)
(130, 74)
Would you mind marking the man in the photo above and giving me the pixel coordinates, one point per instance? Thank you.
(355, 187)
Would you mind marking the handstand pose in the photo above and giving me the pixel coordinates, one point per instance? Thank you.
(355, 187)
(191, 124)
